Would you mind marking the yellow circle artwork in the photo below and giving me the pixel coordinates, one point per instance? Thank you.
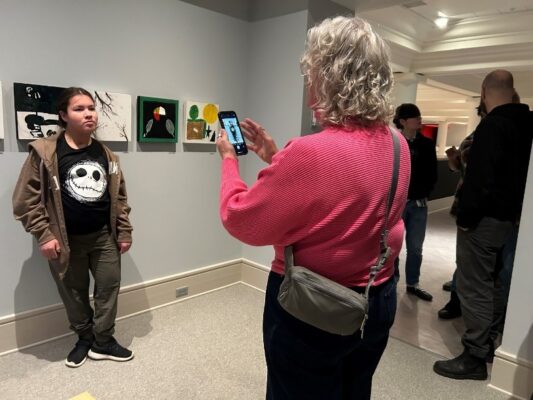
(210, 113)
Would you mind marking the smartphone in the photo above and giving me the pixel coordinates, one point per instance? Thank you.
(230, 123)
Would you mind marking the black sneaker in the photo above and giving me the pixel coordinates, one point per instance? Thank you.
(110, 351)
(447, 286)
(78, 355)
(419, 292)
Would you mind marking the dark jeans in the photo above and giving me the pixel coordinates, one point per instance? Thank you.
(478, 285)
(307, 363)
(98, 254)
(415, 220)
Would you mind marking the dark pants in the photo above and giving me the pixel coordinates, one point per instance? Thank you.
(478, 285)
(307, 363)
(98, 254)
(415, 221)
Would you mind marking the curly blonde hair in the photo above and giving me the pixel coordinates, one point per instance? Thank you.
(346, 66)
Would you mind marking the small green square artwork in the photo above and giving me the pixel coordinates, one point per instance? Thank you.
(200, 122)
(157, 120)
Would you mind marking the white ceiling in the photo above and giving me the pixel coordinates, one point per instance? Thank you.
(482, 35)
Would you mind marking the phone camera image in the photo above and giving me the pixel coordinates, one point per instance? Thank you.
(230, 123)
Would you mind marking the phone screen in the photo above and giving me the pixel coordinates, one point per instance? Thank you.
(230, 123)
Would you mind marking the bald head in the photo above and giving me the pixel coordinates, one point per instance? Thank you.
(497, 88)
(499, 80)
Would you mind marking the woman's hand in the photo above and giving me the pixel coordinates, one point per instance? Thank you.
(124, 247)
(225, 148)
(261, 142)
(50, 249)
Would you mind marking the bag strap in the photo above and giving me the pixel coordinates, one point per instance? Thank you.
(384, 250)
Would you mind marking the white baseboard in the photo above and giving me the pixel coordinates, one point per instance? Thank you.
(254, 274)
(34, 327)
(512, 376)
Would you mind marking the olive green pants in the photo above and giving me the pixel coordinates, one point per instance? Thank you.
(95, 253)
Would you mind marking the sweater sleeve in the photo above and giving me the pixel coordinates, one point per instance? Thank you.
(274, 209)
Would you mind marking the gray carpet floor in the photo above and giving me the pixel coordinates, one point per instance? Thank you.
(207, 347)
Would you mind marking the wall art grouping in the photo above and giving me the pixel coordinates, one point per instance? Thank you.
(1, 114)
(35, 110)
(201, 122)
(157, 119)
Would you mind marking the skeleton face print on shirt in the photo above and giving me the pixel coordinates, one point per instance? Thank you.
(86, 181)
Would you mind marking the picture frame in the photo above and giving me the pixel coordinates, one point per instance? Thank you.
(36, 110)
(157, 120)
(114, 116)
(200, 122)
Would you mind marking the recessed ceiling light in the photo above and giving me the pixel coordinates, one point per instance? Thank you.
(441, 22)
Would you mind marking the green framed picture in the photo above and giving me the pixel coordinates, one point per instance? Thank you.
(157, 120)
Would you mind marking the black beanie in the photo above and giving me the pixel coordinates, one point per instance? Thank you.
(404, 111)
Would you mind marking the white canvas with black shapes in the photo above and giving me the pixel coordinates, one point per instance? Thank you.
(114, 116)
(36, 110)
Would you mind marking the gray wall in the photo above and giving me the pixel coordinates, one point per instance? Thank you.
(518, 335)
(162, 48)
(275, 90)
(318, 11)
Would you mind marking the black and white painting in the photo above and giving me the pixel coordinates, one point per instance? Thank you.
(36, 110)
(114, 116)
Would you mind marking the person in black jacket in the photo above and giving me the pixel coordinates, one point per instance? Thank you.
(423, 177)
(488, 209)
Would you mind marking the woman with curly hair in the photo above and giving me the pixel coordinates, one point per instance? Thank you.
(325, 194)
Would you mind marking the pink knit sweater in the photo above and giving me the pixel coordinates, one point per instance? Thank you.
(325, 194)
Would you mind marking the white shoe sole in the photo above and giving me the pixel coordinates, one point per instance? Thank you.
(99, 356)
(72, 365)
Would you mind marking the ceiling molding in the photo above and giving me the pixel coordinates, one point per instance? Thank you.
(450, 88)
(394, 36)
(402, 58)
(516, 56)
(366, 5)
(473, 41)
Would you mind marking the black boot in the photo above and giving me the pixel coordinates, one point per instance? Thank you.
(447, 286)
(452, 309)
(465, 366)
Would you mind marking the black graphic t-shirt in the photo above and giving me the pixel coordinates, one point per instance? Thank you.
(83, 178)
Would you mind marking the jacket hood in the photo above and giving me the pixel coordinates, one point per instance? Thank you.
(45, 147)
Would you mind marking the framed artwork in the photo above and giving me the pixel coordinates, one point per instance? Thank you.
(1, 114)
(157, 120)
(35, 110)
(114, 116)
(200, 122)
